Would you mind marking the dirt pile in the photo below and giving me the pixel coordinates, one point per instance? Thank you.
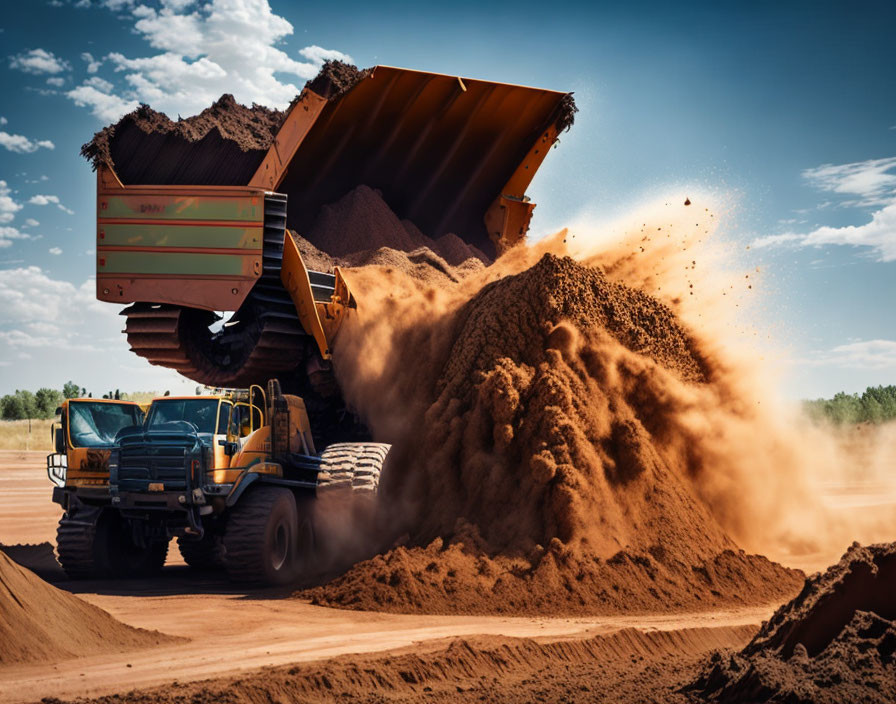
(39, 623)
(361, 221)
(835, 642)
(537, 466)
(223, 145)
(629, 666)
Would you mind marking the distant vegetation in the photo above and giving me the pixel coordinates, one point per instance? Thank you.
(876, 405)
(42, 404)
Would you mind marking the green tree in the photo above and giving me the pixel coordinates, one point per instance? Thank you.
(29, 403)
(46, 401)
(71, 390)
(11, 407)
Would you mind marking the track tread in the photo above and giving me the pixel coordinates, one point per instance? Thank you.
(352, 467)
(75, 548)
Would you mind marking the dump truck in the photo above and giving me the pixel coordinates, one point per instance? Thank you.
(201, 248)
(199, 241)
(230, 474)
(83, 437)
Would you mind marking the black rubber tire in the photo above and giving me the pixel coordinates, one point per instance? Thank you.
(352, 468)
(131, 561)
(260, 540)
(205, 554)
(82, 547)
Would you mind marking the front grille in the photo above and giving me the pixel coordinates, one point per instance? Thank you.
(153, 458)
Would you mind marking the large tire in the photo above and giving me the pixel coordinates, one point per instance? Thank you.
(206, 553)
(82, 546)
(93, 543)
(260, 540)
(346, 511)
(352, 468)
(130, 560)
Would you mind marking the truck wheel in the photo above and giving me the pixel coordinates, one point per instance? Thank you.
(352, 468)
(206, 553)
(82, 544)
(131, 560)
(260, 540)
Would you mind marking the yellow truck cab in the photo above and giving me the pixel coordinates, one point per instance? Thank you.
(82, 438)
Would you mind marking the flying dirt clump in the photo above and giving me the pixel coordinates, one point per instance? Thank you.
(39, 623)
(536, 464)
(835, 642)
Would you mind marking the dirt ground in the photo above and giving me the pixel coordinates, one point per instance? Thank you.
(288, 649)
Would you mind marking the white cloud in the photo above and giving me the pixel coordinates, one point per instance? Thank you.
(38, 61)
(871, 180)
(56, 251)
(57, 81)
(879, 235)
(22, 145)
(871, 184)
(93, 65)
(34, 304)
(9, 233)
(102, 104)
(317, 55)
(787, 238)
(205, 49)
(101, 84)
(868, 354)
(3, 121)
(47, 200)
(31, 222)
(8, 207)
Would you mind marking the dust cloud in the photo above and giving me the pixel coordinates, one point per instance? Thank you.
(587, 417)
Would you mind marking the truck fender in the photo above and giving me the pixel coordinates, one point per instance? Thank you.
(243, 482)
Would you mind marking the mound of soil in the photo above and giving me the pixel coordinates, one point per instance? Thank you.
(422, 264)
(39, 623)
(628, 666)
(336, 78)
(535, 467)
(223, 145)
(835, 642)
(361, 222)
(314, 259)
(40, 558)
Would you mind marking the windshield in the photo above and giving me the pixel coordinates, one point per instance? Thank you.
(96, 424)
(201, 412)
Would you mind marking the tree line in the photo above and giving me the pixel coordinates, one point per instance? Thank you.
(42, 404)
(877, 404)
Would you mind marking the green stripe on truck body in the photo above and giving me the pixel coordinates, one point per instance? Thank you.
(187, 236)
(176, 264)
(244, 209)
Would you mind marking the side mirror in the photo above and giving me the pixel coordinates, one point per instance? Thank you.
(59, 440)
(230, 448)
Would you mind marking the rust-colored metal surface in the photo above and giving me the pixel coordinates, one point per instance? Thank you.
(197, 246)
(443, 150)
(320, 311)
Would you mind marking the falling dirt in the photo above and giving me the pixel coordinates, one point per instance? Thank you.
(537, 463)
(39, 623)
(835, 642)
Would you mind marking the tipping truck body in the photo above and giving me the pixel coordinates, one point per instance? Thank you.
(181, 242)
(231, 475)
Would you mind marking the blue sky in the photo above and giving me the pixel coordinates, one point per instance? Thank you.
(786, 109)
